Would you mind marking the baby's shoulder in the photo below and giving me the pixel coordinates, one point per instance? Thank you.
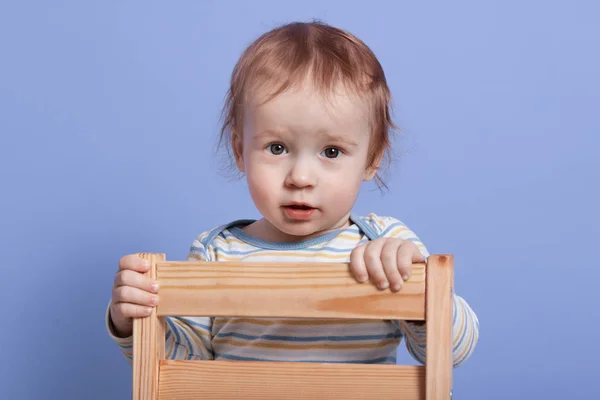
(382, 225)
(218, 239)
(390, 227)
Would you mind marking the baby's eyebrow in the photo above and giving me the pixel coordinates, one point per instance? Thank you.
(340, 138)
(271, 134)
(267, 134)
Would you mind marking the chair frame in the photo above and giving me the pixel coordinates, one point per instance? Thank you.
(318, 290)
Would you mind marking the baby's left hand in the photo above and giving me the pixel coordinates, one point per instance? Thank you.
(386, 261)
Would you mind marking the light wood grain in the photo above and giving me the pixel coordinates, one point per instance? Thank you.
(311, 290)
(276, 380)
(295, 290)
(148, 344)
(440, 282)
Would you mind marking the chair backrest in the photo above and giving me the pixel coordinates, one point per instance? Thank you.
(318, 290)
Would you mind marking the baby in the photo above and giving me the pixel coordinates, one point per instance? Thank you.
(307, 121)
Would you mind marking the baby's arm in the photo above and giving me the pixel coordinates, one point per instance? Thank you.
(185, 338)
(465, 325)
(465, 333)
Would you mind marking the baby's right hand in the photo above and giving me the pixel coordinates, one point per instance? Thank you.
(133, 294)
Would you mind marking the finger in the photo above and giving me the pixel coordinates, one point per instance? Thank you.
(417, 256)
(129, 294)
(373, 262)
(136, 280)
(129, 310)
(390, 263)
(134, 263)
(357, 264)
(406, 255)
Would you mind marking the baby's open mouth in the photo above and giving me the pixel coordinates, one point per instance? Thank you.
(299, 207)
(299, 211)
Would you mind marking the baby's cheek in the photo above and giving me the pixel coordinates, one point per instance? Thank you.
(259, 188)
(262, 184)
(343, 192)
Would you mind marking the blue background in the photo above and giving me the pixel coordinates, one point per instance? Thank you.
(109, 114)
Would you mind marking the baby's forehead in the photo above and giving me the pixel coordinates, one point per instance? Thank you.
(294, 115)
(306, 103)
(337, 99)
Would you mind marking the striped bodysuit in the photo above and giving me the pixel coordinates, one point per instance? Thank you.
(307, 340)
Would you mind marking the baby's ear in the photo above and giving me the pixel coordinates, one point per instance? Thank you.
(238, 150)
(370, 173)
(372, 169)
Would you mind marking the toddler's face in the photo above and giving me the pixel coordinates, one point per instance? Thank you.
(304, 157)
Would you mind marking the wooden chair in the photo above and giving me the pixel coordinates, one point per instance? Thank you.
(247, 289)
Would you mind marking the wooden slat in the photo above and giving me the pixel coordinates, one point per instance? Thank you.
(277, 380)
(148, 344)
(295, 290)
(440, 288)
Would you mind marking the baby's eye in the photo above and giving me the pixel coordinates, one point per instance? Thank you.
(332, 152)
(276, 148)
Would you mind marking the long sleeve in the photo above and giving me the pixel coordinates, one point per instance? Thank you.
(185, 338)
(465, 324)
(465, 333)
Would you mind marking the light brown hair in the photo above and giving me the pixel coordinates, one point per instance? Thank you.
(287, 55)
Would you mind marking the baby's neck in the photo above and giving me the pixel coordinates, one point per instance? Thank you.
(264, 230)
